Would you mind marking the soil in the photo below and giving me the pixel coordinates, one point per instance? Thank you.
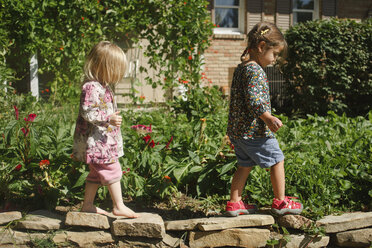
(176, 208)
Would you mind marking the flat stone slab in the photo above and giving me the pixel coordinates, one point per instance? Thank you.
(11, 237)
(355, 238)
(220, 223)
(344, 222)
(147, 225)
(84, 239)
(247, 237)
(7, 217)
(98, 221)
(41, 220)
(308, 241)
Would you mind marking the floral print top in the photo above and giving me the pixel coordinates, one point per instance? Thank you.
(249, 99)
(95, 140)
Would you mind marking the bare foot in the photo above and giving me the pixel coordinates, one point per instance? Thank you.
(124, 211)
(93, 209)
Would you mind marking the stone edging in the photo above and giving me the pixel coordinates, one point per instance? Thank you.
(77, 229)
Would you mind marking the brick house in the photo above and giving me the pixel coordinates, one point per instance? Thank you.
(234, 19)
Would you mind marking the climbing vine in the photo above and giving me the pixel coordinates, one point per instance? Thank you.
(61, 32)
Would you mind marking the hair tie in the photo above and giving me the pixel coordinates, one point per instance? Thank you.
(264, 31)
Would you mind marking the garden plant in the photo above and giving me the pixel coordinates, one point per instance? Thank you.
(182, 147)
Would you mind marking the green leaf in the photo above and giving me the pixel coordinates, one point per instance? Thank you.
(81, 179)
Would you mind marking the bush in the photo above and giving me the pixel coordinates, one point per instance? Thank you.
(329, 67)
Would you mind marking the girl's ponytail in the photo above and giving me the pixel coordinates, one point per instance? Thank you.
(245, 55)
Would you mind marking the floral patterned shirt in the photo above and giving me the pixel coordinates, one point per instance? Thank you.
(95, 140)
(249, 99)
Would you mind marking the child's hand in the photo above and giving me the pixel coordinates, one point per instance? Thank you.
(115, 119)
(271, 121)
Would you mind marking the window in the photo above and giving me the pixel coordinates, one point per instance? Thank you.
(228, 16)
(305, 10)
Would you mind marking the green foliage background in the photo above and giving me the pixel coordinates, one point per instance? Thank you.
(328, 158)
(61, 33)
(329, 67)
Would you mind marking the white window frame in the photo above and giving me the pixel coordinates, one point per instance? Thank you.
(240, 29)
(315, 11)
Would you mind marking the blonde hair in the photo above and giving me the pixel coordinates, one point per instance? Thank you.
(106, 63)
(267, 32)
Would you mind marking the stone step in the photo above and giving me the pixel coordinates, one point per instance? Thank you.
(147, 225)
(87, 219)
(42, 220)
(7, 217)
(220, 223)
(344, 222)
(355, 238)
(243, 237)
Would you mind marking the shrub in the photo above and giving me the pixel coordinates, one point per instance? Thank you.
(329, 67)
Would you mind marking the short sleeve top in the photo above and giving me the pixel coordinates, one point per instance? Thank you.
(249, 99)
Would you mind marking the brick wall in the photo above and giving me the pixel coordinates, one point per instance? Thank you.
(222, 57)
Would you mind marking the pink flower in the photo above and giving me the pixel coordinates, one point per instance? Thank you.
(168, 143)
(142, 129)
(25, 131)
(18, 167)
(31, 117)
(16, 111)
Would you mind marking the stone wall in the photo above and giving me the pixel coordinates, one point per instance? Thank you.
(77, 229)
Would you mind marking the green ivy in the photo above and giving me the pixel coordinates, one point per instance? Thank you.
(61, 32)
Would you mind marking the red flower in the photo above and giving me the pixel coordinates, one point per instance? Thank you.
(16, 111)
(146, 138)
(126, 171)
(82, 18)
(18, 167)
(190, 57)
(25, 131)
(42, 92)
(61, 48)
(44, 163)
(168, 143)
(167, 178)
(31, 117)
(47, 90)
(152, 144)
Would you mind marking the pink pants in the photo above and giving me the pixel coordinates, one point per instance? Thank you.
(104, 174)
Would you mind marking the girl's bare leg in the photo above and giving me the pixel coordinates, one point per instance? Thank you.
(277, 176)
(89, 195)
(117, 200)
(238, 183)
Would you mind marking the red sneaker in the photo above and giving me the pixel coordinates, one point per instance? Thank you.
(237, 208)
(286, 206)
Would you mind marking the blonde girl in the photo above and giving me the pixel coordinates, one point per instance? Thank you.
(97, 139)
